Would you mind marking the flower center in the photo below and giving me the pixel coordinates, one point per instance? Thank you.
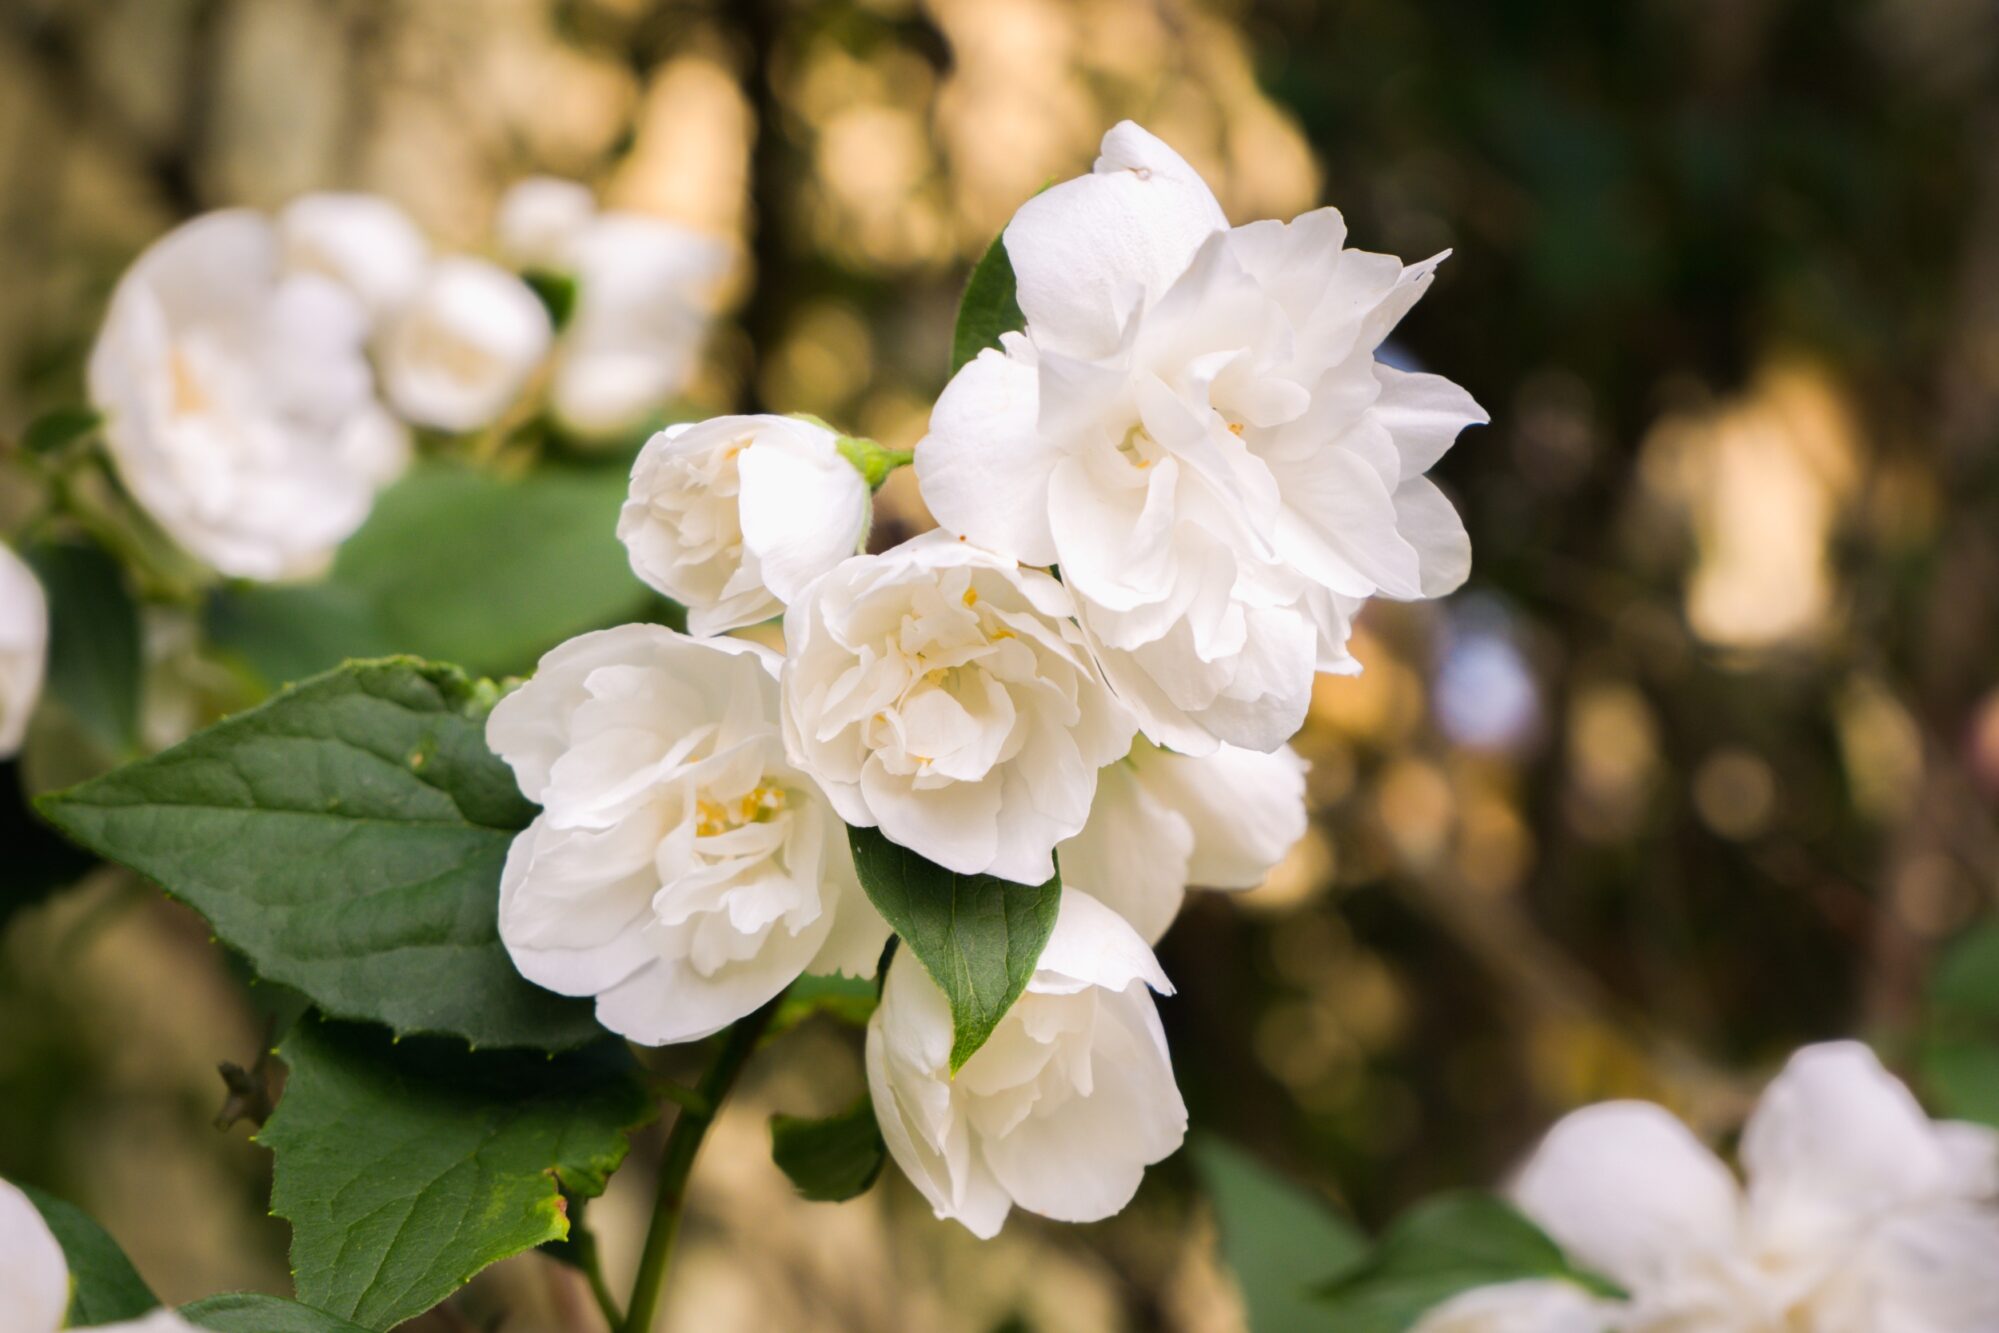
(762, 804)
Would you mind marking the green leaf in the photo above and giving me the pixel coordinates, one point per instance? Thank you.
(1960, 1041)
(454, 565)
(59, 427)
(989, 308)
(405, 1169)
(347, 838)
(978, 937)
(557, 292)
(106, 1288)
(95, 656)
(830, 1160)
(848, 1000)
(246, 1312)
(1437, 1250)
(1282, 1241)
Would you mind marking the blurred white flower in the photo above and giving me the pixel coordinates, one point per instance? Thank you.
(463, 348)
(1195, 428)
(362, 241)
(24, 648)
(645, 291)
(239, 405)
(34, 1275)
(681, 871)
(1062, 1109)
(539, 217)
(1860, 1214)
(1164, 821)
(1522, 1307)
(732, 517)
(941, 692)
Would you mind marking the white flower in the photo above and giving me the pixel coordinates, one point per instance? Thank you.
(238, 401)
(24, 647)
(682, 872)
(362, 241)
(1521, 1307)
(1860, 1214)
(1163, 821)
(644, 290)
(1195, 428)
(463, 348)
(940, 692)
(733, 517)
(539, 217)
(1062, 1109)
(34, 1275)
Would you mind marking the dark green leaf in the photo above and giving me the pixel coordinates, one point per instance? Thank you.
(95, 657)
(830, 1160)
(107, 1289)
(58, 427)
(989, 307)
(1437, 1250)
(346, 837)
(557, 292)
(454, 565)
(246, 1312)
(405, 1169)
(846, 999)
(1960, 1044)
(1282, 1241)
(978, 937)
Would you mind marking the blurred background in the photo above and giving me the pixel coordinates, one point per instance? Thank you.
(1701, 765)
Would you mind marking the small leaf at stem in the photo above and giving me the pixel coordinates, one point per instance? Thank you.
(59, 427)
(106, 1288)
(1282, 1241)
(990, 306)
(830, 1160)
(95, 658)
(405, 1168)
(978, 937)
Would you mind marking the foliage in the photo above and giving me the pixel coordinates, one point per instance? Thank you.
(978, 937)
(830, 1160)
(105, 1287)
(989, 308)
(347, 838)
(465, 1160)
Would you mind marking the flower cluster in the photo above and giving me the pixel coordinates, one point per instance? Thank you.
(35, 1277)
(1859, 1214)
(1162, 501)
(258, 376)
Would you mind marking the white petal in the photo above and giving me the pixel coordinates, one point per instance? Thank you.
(1428, 521)
(362, 241)
(1535, 1306)
(1628, 1192)
(539, 218)
(34, 1275)
(1835, 1141)
(1093, 946)
(1086, 252)
(1339, 527)
(1424, 414)
(1245, 808)
(804, 507)
(24, 641)
(983, 469)
(1132, 854)
(464, 345)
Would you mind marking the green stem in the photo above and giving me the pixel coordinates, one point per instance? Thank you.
(591, 1262)
(677, 1160)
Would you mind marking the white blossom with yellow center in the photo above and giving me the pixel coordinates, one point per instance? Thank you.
(941, 692)
(682, 872)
